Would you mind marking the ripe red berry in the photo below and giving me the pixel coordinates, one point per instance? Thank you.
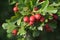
(35, 8)
(14, 32)
(37, 16)
(31, 23)
(42, 19)
(15, 9)
(32, 18)
(55, 16)
(48, 28)
(26, 19)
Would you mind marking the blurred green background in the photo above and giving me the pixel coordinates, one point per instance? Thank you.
(5, 13)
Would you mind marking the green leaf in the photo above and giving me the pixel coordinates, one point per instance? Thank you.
(46, 20)
(58, 13)
(10, 27)
(19, 21)
(4, 25)
(51, 9)
(55, 4)
(44, 7)
(25, 12)
(9, 35)
(22, 29)
(21, 39)
(18, 14)
(32, 28)
(53, 25)
(31, 3)
(41, 27)
(37, 3)
(12, 2)
(50, 17)
(14, 18)
(36, 33)
(21, 1)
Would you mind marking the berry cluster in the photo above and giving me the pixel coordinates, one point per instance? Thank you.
(48, 28)
(33, 19)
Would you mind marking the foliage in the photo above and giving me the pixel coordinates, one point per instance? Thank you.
(48, 10)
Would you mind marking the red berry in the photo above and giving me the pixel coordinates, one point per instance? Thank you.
(31, 23)
(37, 16)
(15, 9)
(14, 32)
(48, 28)
(26, 19)
(35, 8)
(55, 16)
(32, 18)
(42, 19)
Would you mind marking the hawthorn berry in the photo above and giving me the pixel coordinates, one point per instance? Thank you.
(36, 8)
(55, 17)
(37, 16)
(31, 23)
(26, 19)
(48, 28)
(42, 19)
(32, 18)
(15, 9)
(14, 32)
